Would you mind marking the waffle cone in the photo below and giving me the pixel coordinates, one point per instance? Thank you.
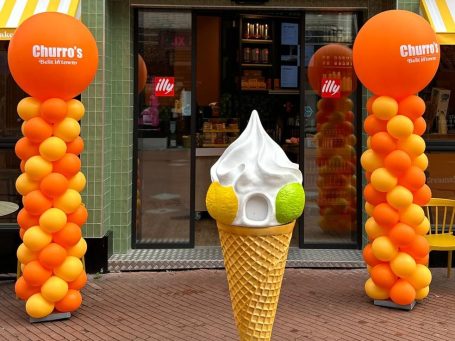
(255, 259)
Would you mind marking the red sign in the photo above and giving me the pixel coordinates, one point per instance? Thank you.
(330, 88)
(164, 86)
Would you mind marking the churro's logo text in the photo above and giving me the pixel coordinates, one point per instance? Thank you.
(419, 53)
(51, 54)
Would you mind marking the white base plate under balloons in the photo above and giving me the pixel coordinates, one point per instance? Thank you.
(390, 304)
(51, 317)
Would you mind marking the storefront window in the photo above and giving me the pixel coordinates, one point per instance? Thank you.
(331, 102)
(163, 111)
(10, 95)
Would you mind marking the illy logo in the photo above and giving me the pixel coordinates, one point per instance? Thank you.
(164, 86)
(331, 88)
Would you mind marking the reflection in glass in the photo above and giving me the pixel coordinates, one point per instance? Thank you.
(163, 126)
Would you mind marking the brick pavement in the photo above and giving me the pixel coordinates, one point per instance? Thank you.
(194, 305)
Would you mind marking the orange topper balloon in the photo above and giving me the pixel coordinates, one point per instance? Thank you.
(396, 54)
(53, 55)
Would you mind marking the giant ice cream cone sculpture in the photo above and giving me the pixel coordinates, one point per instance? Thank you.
(255, 196)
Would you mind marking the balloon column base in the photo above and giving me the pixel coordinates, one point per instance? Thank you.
(390, 304)
(51, 317)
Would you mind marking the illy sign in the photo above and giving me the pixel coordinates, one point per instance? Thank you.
(164, 86)
(330, 88)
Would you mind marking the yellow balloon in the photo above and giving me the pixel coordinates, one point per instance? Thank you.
(383, 249)
(382, 180)
(371, 161)
(414, 145)
(400, 127)
(25, 255)
(52, 220)
(79, 249)
(70, 269)
(385, 107)
(36, 239)
(421, 161)
(67, 129)
(28, 108)
(403, 265)
(399, 197)
(423, 227)
(54, 289)
(24, 184)
(369, 142)
(38, 307)
(37, 168)
(69, 201)
(76, 109)
(77, 182)
(52, 148)
(373, 229)
(422, 293)
(22, 128)
(412, 215)
(420, 278)
(375, 292)
(369, 208)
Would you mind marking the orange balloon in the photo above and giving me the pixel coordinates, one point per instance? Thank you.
(52, 55)
(374, 196)
(412, 106)
(36, 202)
(418, 248)
(397, 162)
(79, 282)
(70, 302)
(383, 143)
(373, 125)
(422, 196)
(413, 178)
(420, 126)
(25, 149)
(68, 236)
(69, 165)
(322, 64)
(141, 74)
(402, 234)
(368, 176)
(369, 257)
(76, 146)
(424, 260)
(24, 290)
(52, 255)
(383, 276)
(370, 102)
(402, 292)
(54, 185)
(385, 215)
(27, 220)
(37, 129)
(35, 274)
(396, 54)
(53, 110)
(79, 217)
(22, 166)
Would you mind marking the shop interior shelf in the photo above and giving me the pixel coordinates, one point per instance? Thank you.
(284, 92)
(215, 144)
(221, 130)
(254, 89)
(257, 41)
(256, 65)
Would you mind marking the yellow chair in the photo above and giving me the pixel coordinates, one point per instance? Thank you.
(440, 236)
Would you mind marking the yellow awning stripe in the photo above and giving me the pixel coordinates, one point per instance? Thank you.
(441, 15)
(14, 12)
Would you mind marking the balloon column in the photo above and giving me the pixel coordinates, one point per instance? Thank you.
(335, 138)
(395, 56)
(53, 57)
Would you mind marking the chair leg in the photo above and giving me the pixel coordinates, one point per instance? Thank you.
(449, 263)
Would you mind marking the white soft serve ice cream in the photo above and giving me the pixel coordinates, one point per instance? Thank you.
(258, 169)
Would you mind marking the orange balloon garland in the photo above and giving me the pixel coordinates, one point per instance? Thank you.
(52, 70)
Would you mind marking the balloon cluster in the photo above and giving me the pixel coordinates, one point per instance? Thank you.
(397, 255)
(397, 252)
(336, 165)
(53, 214)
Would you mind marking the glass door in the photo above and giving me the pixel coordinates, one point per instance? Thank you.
(332, 132)
(163, 43)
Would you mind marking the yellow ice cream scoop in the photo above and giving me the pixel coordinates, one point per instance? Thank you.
(222, 203)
